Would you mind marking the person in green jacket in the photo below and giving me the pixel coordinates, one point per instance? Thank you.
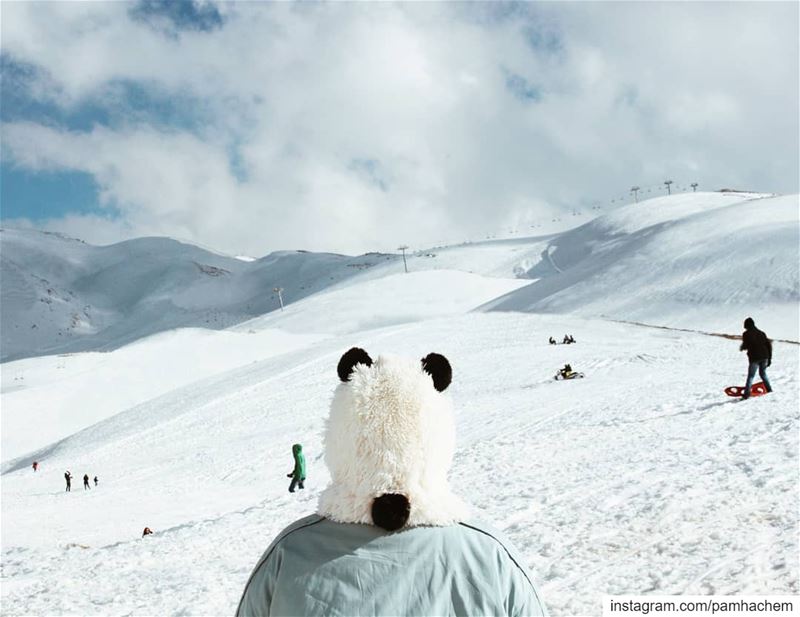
(298, 476)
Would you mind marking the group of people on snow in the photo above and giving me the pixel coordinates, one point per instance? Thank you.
(566, 372)
(754, 341)
(68, 479)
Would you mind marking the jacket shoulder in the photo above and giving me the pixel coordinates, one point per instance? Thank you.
(528, 601)
(251, 601)
(496, 538)
(306, 521)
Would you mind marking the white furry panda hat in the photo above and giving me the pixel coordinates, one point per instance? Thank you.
(389, 443)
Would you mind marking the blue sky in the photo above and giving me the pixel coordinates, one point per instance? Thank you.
(256, 126)
(36, 194)
(43, 195)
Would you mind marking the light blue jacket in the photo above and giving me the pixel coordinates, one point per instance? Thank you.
(319, 567)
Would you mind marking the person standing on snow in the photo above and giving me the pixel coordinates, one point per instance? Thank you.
(68, 478)
(95, 480)
(389, 537)
(298, 476)
(86, 482)
(759, 354)
(35, 465)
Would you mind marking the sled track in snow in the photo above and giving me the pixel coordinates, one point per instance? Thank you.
(733, 337)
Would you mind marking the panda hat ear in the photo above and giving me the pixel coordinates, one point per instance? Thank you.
(437, 366)
(347, 363)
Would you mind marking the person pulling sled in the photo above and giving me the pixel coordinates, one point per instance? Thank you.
(759, 355)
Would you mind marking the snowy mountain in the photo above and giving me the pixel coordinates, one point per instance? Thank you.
(60, 295)
(699, 261)
(642, 478)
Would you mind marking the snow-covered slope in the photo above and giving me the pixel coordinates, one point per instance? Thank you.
(679, 261)
(641, 478)
(72, 391)
(66, 393)
(702, 261)
(59, 295)
(380, 302)
(698, 260)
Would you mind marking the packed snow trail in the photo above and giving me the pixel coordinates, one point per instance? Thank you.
(642, 478)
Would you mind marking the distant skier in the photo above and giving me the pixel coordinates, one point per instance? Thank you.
(86, 482)
(68, 478)
(35, 466)
(571, 339)
(147, 532)
(298, 475)
(566, 340)
(759, 355)
(552, 341)
(95, 480)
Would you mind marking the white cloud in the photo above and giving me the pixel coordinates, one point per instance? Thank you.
(630, 93)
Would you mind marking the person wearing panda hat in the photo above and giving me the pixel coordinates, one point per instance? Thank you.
(389, 537)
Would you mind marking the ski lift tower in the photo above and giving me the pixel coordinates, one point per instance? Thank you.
(635, 190)
(279, 291)
(404, 248)
(668, 182)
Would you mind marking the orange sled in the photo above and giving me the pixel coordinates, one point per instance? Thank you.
(757, 389)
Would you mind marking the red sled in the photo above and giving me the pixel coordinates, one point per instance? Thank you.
(757, 389)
